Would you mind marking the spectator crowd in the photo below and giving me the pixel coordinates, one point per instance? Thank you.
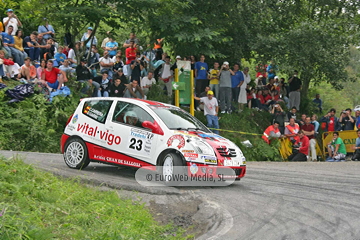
(38, 58)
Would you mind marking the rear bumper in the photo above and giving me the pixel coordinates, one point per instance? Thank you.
(63, 140)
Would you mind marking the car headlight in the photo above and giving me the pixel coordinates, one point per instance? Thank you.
(202, 148)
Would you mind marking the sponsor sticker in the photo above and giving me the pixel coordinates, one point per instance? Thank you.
(75, 118)
(187, 151)
(194, 168)
(210, 160)
(178, 138)
(95, 133)
(191, 155)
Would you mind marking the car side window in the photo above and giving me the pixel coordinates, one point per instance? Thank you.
(97, 109)
(130, 114)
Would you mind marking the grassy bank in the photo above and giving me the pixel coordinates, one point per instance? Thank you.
(38, 205)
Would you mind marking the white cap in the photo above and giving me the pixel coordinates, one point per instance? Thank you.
(178, 56)
(357, 108)
(226, 63)
(276, 77)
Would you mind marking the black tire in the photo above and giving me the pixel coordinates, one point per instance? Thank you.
(176, 161)
(76, 154)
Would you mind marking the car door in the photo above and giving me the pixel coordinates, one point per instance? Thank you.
(136, 141)
(90, 125)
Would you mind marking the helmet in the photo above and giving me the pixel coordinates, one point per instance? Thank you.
(130, 118)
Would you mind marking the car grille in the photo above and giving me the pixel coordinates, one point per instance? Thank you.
(226, 152)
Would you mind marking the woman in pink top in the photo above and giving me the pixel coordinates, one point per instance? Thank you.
(40, 69)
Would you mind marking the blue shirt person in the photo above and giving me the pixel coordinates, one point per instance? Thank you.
(318, 103)
(46, 30)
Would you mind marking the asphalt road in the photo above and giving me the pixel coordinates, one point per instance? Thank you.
(274, 200)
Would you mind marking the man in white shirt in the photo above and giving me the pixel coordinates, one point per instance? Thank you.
(211, 109)
(166, 75)
(106, 64)
(243, 84)
(11, 20)
(146, 82)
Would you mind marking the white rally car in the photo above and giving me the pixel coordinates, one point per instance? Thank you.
(141, 133)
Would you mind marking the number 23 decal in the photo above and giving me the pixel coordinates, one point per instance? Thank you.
(136, 144)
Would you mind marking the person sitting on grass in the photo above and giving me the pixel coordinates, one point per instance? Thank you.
(117, 88)
(336, 149)
(67, 68)
(53, 77)
(60, 56)
(14, 70)
(133, 90)
(5, 66)
(28, 71)
(103, 82)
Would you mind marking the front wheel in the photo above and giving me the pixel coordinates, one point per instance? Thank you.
(75, 154)
(172, 167)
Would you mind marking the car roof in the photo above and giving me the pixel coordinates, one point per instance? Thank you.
(136, 101)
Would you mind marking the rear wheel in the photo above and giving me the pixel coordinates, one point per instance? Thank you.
(75, 154)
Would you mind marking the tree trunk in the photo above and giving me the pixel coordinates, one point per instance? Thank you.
(305, 85)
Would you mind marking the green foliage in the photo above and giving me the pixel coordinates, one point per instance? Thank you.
(34, 124)
(38, 205)
(249, 121)
(157, 93)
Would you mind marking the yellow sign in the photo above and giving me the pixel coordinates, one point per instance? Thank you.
(348, 137)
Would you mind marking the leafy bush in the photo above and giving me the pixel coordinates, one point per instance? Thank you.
(34, 124)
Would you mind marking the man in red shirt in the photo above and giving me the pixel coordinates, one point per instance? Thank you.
(300, 153)
(50, 77)
(309, 131)
(332, 122)
(272, 131)
(130, 52)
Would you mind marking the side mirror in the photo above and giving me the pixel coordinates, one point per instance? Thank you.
(155, 128)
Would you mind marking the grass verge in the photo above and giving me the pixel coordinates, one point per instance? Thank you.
(38, 205)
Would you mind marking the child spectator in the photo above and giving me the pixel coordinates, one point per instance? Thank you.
(60, 56)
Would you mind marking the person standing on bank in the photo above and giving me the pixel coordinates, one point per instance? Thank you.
(201, 69)
(295, 87)
(211, 109)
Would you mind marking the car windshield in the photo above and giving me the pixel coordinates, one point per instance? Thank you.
(178, 119)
